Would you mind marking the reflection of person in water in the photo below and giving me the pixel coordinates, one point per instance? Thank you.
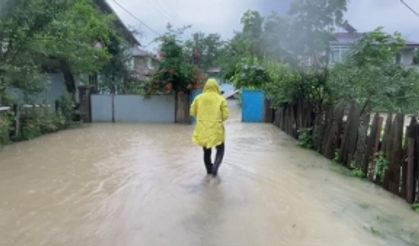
(210, 110)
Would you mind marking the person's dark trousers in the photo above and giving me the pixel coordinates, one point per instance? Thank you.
(213, 168)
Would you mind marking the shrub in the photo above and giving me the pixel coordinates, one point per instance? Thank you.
(305, 138)
(36, 122)
(250, 73)
(30, 126)
(381, 166)
(67, 108)
(51, 122)
(5, 124)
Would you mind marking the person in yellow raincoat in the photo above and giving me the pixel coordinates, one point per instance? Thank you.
(210, 110)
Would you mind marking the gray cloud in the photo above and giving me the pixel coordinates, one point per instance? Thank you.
(366, 15)
(223, 16)
(216, 16)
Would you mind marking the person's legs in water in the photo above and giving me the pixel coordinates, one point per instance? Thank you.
(207, 160)
(218, 159)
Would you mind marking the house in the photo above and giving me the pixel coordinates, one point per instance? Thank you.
(129, 36)
(143, 63)
(344, 41)
(55, 79)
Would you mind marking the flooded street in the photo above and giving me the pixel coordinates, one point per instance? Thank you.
(135, 185)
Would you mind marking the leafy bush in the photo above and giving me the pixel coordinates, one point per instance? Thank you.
(174, 71)
(51, 122)
(336, 159)
(67, 108)
(415, 207)
(288, 86)
(250, 73)
(305, 138)
(357, 172)
(381, 166)
(371, 77)
(36, 122)
(282, 87)
(5, 123)
(30, 125)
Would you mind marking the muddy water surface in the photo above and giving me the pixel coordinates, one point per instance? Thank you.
(145, 185)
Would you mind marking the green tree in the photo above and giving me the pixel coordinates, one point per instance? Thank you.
(252, 32)
(371, 77)
(60, 35)
(311, 29)
(250, 73)
(69, 42)
(274, 39)
(175, 72)
(231, 54)
(244, 46)
(116, 74)
(204, 50)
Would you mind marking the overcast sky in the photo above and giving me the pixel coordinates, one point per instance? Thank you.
(223, 16)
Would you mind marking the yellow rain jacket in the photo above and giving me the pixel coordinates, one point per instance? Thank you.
(210, 110)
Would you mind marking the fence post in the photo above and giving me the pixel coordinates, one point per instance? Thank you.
(392, 182)
(387, 136)
(416, 165)
(361, 152)
(182, 107)
(374, 143)
(85, 103)
(350, 135)
(337, 129)
(410, 169)
(16, 111)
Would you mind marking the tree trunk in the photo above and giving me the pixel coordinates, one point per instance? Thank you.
(69, 80)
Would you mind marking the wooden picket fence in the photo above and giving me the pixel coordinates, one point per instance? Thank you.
(382, 146)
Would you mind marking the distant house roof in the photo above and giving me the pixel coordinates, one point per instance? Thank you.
(411, 43)
(138, 51)
(346, 38)
(105, 7)
(350, 38)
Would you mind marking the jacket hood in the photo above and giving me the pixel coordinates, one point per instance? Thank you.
(212, 86)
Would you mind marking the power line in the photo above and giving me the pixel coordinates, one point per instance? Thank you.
(138, 19)
(159, 9)
(150, 43)
(165, 9)
(410, 8)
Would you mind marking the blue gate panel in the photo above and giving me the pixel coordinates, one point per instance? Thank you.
(253, 106)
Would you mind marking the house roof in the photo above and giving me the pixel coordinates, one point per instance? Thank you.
(137, 51)
(346, 39)
(411, 43)
(105, 7)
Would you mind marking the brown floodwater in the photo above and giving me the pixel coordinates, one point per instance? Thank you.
(124, 184)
